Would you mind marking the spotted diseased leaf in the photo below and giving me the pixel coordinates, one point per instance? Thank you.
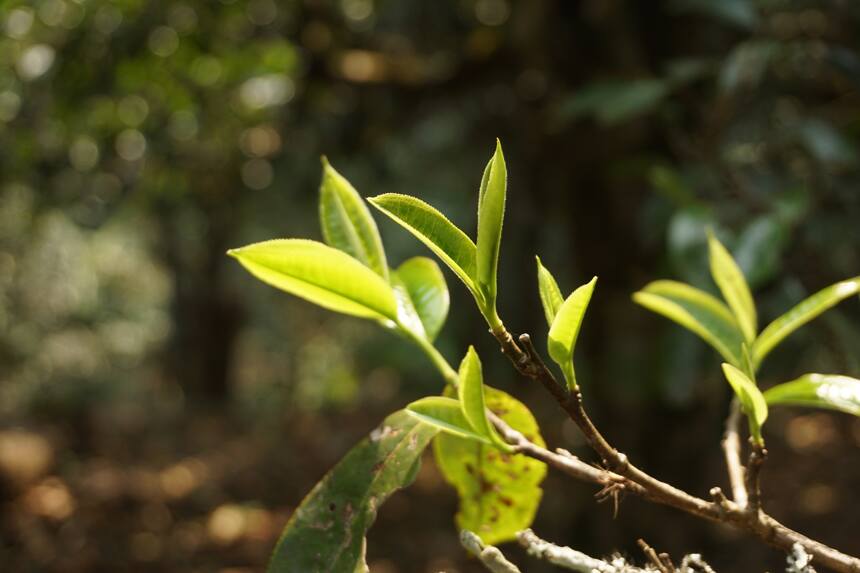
(830, 391)
(346, 221)
(499, 492)
(320, 274)
(550, 295)
(326, 533)
(805, 311)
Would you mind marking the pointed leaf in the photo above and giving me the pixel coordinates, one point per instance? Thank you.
(824, 299)
(433, 229)
(751, 399)
(346, 221)
(565, 329)
(326, 533)
(321, 274)
(446, 415)
(407, 315)
(550, 294)
(734, 287)
(491, 214)
(830, 391)
(470, 390)
(499, 492)
(696, 311)
(426, 286)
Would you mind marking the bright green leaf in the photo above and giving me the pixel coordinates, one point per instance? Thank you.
(491, 214)
(326, 533)
(696, 311)
(433, 229)
(751, 399)
(824, 299)
(470, 390)
(550, 294)
(831, 391)
(321, 274)
(734, 287)
(499, 492)
(425, 283)
(407, 315)
(346, 221)
(446, 415)
(565, 329)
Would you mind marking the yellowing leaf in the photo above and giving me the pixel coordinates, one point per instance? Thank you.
(320, 274)
(346, 221)
(499, 492)
(805, 311)
(565, 329)
(733, 285)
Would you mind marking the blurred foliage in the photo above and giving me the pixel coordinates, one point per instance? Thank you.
(139, 140)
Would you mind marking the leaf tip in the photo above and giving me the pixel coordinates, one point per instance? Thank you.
(325, 163)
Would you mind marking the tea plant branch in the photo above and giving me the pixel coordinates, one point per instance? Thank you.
(528, 363)
(732, 450)
(490, 557)
(758, 455)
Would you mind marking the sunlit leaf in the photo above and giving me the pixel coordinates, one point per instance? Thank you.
(445, 414)
(565, 329)
(734, 287)
(696, 311)
(805, 311)
(346, 221)
(499, 492)
(433, 229)
(751, 399)
(550, 294)
(491, 214)
(425, 283)
(407, 315)
(326, 533)
(831, 391)
(471, 393)
(321, 274)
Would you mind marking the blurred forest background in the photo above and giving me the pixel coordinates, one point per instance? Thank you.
(162, 411)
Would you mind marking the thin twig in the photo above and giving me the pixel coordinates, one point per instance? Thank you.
(758, 454)
(490, 557)
(732, 451)
(652, 556)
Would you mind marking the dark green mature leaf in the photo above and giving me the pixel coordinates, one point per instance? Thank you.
(550, 294)
(491, 214)
(445, 414)
(565, 329)
(425, 283)
(696, 311)
(346, 221)
(805, 311)
(433, 229)
(499, 492)
(751, 398)
(470, 390)
(321, 274)
(728, 276)
(831, 391)
(326, 533)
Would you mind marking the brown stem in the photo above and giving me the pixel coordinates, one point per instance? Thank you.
(624, 474)
(732, 450)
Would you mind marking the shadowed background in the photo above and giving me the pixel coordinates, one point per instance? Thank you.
(162, 411)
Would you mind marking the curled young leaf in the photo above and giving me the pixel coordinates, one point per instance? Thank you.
(327, 531)
(425, 283)
(565, 329)
(446, 415)
(751, 398)
(471, 393)
(698, 312)
(320, 274)
(346, 222)
(729, 278)
(550, 295)
(491, 214)
(433, 229)
(830, 391)
(805, 311)
(499, 492)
